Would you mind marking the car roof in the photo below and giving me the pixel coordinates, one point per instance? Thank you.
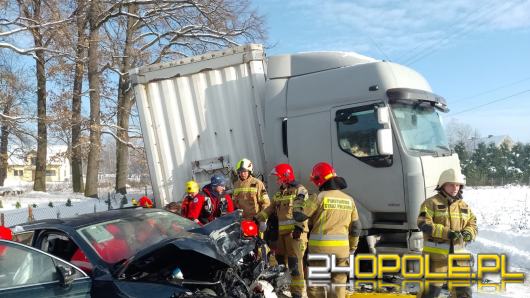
(89, 218)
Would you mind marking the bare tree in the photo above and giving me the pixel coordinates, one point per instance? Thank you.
(458, 132)
(13, 93)
(171, 29)
(38, 18)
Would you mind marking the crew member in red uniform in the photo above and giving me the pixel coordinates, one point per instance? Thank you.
(193, 202)
(216, 201)
(145, 202)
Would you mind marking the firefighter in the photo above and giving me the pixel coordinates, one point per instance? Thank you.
(335, 224)
(448, 225)
(292, 240)
(250, 194)
(216, 201)
(193, 202)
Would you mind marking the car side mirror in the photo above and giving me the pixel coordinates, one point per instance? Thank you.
(384, 134)
(66, 275)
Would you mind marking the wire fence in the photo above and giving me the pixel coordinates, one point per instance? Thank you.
(10, 218)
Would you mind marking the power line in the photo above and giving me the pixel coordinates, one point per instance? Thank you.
(377, 47)
(493, 90)
(491, 102)
(412, 53)
(465, 29)
(477, 22)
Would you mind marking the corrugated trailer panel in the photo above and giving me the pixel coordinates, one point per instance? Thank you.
(200, 123)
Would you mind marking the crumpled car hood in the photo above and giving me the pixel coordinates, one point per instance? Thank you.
(217, 245)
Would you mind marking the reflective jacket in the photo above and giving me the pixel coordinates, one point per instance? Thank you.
(439, 215)
(335, 222)
(192, 206)
(214, 205)
(282, 204)
(251, 196)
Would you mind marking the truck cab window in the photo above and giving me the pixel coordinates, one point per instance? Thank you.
(357, 131)
(421, 129)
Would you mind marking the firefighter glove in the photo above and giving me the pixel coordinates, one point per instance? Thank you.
(297, 232)
(467, 236)
(454, 235)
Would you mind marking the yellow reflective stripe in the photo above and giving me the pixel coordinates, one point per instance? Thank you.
(245, 189)
(329, 243)
(284, 198)
(437, 230)
(438, 248)
(337, 204)
(459, 215)
(435, 250)
(440, 213)
(298, 282)
(286, 227)
(461, 251)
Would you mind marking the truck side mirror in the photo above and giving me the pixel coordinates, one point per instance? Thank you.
(384, 134)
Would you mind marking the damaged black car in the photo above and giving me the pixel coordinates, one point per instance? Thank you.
(154, 253)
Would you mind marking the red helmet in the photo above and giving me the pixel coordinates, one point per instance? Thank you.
(145, 202)
(321, 173)
(249, 228)
(284, 172)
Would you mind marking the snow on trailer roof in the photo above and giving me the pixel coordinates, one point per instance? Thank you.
(191, 65)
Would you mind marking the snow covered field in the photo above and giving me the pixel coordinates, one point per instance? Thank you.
(503, 215)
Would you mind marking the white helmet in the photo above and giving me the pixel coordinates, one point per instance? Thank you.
(451, 176)
(244, 165)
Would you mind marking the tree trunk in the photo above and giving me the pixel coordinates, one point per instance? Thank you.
(91, 188)
(77, 159)
(4, 139)
(124, 107)
(42, 133)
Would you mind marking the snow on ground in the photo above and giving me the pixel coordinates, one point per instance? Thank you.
(503, 218)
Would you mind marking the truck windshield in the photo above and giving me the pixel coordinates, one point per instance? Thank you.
(421, 128)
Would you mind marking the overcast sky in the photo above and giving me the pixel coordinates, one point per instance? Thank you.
(476, 54)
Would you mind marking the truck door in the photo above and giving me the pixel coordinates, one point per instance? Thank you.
(374, 180)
